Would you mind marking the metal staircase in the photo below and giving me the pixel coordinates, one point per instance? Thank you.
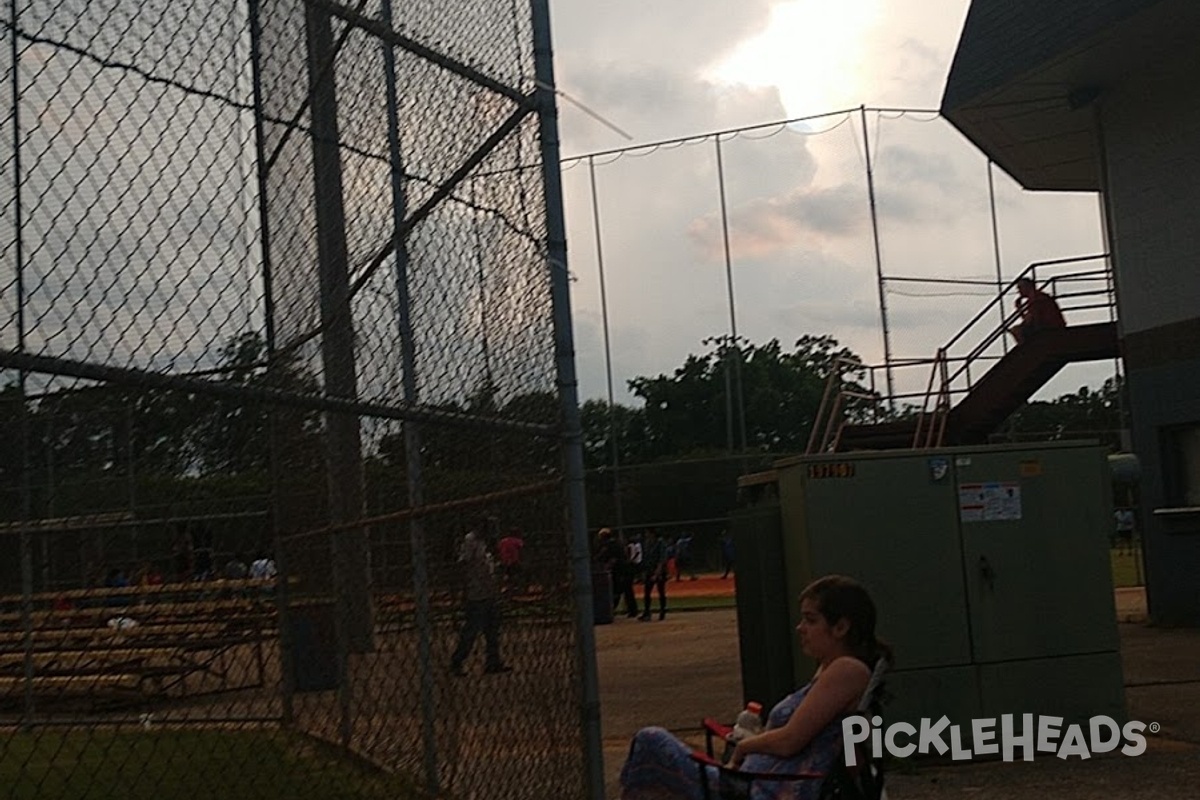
(963, 404)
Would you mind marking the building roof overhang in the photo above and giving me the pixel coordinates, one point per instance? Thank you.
(1024, 86)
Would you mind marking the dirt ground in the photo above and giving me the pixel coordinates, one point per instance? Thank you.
(674, 672)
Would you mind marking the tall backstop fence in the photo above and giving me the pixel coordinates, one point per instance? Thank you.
(883, 227)
(288, 405)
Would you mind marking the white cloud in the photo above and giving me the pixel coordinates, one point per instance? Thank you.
(798, 211)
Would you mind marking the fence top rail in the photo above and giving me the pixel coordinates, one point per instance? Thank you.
(116, 519)
(700, 137)
(157, 590)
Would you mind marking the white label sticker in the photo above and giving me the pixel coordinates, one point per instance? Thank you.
(989, 502)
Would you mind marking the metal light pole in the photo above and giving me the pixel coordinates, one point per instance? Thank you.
(883, 314)
(996, 250)
(733, 332)
(612, 408)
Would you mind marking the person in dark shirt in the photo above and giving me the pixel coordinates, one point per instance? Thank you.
(654, 566)
(613, 554)
(1039, 311)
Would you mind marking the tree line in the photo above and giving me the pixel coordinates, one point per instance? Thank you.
(169, 436)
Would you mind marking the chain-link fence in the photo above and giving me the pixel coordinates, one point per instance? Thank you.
(885, 228)
(289, 412)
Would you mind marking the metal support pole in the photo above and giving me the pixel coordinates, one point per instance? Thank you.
(412, 431)
(350, 547)
(996, 251)
(26, 463)
(263, 176)
(287, 682)
(1111, 249)
(612, 408)
(130, 474)
(728, 398)
(18, 221)
(26, 554)
(733, 332)
(50, 503)
(568, 391)
(883, 314)
(485, 340)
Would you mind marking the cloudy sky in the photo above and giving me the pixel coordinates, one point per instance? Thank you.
(800, 235)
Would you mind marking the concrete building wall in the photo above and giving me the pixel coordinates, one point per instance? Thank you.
(1151, 139)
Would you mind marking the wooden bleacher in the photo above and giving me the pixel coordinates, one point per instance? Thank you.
(135, 643)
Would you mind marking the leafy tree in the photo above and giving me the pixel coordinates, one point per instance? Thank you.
(459, 460)
(1088, 413)
(686, 412)
(232, 436)
(601, 421)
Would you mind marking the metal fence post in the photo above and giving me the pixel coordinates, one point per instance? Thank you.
(351, 566)
(568, 390)
(412, 432)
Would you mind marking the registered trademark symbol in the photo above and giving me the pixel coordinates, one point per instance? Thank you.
(1154, 727)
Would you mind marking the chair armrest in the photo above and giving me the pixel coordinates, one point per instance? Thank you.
(712, 729)
(715, 728)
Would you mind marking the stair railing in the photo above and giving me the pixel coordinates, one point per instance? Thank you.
(934, 434)
(826, 432)
(946, 386)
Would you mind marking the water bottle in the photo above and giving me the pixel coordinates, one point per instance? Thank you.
(749, 722)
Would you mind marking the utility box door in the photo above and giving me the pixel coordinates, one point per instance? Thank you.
(765, 632)
(1036, 564)
(890, 522)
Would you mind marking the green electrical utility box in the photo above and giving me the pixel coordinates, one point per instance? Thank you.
(989, 567)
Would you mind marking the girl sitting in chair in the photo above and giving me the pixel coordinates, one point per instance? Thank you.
(837, 630)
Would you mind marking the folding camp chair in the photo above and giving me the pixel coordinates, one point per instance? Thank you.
(864, 781)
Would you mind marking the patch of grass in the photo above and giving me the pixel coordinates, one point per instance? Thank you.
(697, 603)
(172, 765)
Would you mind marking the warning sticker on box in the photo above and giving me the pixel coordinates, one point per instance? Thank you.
(989, 502)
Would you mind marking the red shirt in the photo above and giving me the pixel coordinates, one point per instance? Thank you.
(509, 549)
(1043, 312)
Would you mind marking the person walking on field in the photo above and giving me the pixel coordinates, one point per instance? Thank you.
(482, 606)
(654, 563)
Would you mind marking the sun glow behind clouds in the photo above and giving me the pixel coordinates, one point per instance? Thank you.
(812, 51)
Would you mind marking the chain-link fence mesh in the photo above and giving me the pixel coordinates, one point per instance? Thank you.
(283, 402)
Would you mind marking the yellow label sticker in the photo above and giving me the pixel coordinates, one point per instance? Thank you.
(840, 469)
